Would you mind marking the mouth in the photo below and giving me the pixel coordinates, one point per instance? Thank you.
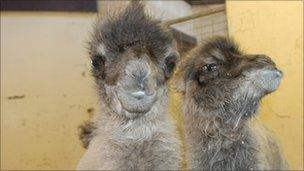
(267, 79)
(271, 79)
(137, 101)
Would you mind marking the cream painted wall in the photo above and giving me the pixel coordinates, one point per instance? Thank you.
(43, 57)
(275, 28)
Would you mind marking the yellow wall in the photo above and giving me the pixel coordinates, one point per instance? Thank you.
(275, 28)
(43, 57)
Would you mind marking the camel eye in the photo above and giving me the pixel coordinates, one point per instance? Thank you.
(210, 67)
(97, 61)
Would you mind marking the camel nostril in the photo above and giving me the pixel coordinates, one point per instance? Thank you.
(279, 74)
(141, 78)
(149, 93)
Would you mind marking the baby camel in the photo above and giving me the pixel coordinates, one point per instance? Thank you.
(222, 88)
(132, 59)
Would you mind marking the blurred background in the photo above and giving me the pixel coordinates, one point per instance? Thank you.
(47, 90)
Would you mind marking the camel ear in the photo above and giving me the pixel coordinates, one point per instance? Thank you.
(182, 73)
(171, 59)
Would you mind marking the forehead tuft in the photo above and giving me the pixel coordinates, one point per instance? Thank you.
(129, 27)
(219, 48)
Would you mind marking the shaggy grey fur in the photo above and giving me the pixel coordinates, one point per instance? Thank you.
(222, 89)
(132, 59)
